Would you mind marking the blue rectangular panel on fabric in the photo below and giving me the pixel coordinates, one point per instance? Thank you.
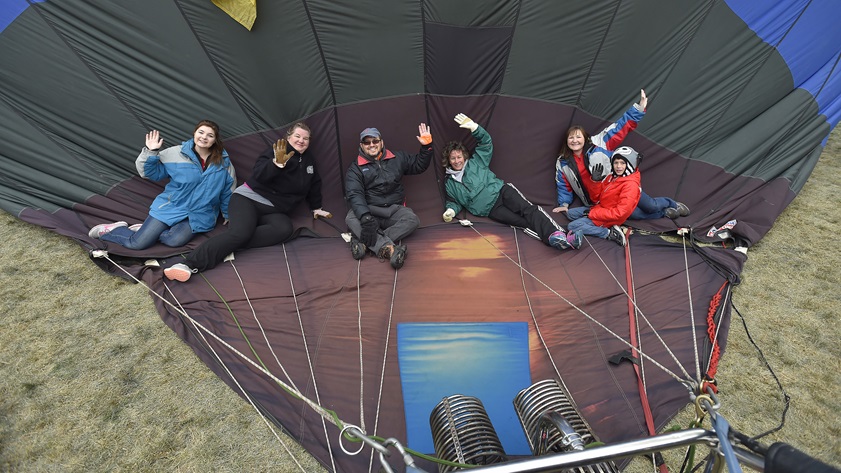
(489, 361)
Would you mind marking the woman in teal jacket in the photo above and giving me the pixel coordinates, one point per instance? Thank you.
(472, 185)
(201, 180)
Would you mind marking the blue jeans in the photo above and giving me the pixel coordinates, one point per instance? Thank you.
(582, 225)
(152, 231)
(651, 207)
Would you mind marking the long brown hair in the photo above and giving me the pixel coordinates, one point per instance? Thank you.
(218, 147)
(567, 153)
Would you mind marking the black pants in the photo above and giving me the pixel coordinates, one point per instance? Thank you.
(511, 208)
(251, 225)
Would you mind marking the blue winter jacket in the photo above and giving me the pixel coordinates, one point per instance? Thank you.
(571, 180)
(190, 193)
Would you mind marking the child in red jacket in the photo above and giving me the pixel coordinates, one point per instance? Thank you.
(620, 194)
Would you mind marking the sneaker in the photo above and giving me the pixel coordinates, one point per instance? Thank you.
(135, 227)
(104, 228)
(559, 240)
(398, 256)
(357, 248)
(616, 234)
(574, 240)
(179, 272)
(682, 209)
(671, 213)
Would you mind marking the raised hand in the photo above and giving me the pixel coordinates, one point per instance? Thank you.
(643, 100)
(598, 172)
(280, 154)
(424, 134)
(154, 140)
(466, 122)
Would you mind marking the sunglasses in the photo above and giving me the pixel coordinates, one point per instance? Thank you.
(371, 142)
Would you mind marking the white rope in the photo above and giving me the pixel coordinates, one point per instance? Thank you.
(385, 357)
(588, 316)
(180, 310)
(534, 317)
(642, 315)
(359, 335)
(309, 360)
(239, 386)
(260, 325)
(691, 314)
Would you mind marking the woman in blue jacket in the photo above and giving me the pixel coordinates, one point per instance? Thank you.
(201, 180)
(283, 176)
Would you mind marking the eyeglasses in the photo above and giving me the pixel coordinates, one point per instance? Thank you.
(375, 141)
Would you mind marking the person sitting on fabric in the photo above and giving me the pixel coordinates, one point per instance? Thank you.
(619, 196)
(201, 179)
(590, 156)
(471, 184)
(378, 216)
(283, 176)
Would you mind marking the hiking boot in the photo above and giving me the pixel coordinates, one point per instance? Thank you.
(616, 234)
(385, 253)
(104, 228)
(135, 227)
(179, 272)
(398, 256)
(682, 209)
(574, 240)
(357, 248)
(671, 213)
(559, 240)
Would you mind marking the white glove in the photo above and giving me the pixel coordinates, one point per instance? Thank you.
(321, 213)
(465, 122)
(448, 215)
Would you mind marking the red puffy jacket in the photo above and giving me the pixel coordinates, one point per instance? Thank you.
(619, 198)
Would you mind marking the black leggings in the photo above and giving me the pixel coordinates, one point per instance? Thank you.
(511, 208)
(251, 225)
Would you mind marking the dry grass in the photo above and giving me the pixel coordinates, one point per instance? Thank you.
(91, 380)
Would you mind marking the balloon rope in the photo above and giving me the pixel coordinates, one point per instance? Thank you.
(534, 317)
(327, 414)
(239, 386)
(385, 358)
(182, 312)
(260, 325)
(359, 336)
(642, 315)
(307, 351)
(692, 315)
(589, 317)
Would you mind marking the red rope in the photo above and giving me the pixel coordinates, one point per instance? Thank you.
(646, 406)
(711, 331)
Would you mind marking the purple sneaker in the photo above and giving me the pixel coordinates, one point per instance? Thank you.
(574, 240)
(559, 240)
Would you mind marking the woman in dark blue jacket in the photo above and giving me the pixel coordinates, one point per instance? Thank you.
(201, 180)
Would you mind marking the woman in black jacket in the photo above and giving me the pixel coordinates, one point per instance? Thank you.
(283, 176)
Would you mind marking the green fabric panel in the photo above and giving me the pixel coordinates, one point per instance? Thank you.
(156, 68)
(471, 12)
(554, 44)
(275, 71)
(66, 137)
(373, 49)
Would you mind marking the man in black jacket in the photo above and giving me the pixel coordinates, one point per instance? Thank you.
(378, 217)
